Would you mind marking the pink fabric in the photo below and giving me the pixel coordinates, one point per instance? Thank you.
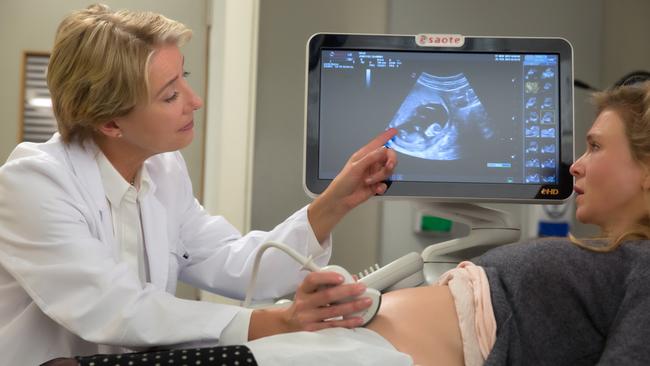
(469, 286)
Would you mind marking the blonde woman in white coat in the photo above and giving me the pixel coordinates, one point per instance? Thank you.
(99, 223)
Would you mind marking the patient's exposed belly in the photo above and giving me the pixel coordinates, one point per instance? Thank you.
(421, 322)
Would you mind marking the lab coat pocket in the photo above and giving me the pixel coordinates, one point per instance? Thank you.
(179, 257)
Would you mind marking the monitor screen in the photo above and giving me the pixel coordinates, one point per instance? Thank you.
(490, 120)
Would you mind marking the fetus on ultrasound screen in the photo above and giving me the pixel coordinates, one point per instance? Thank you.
(440, 119)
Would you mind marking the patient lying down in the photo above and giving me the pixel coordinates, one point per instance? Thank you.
(549, 302)
(421, 323)
(413, 326)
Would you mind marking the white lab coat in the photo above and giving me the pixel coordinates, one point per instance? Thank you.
(62, 291)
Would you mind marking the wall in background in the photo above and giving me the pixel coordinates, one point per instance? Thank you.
(625, 41)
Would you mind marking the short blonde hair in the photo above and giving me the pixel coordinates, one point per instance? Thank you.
(632, 104)
(98, 67)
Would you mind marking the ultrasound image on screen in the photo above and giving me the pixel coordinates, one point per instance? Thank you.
(436, 117)
(460, 117)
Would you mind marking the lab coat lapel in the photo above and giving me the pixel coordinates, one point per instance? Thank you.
(154, 229)
(84, 165)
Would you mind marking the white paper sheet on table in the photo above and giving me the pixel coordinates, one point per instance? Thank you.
(336, 346)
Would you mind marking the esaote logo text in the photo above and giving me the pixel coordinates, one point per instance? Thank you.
(439, 40)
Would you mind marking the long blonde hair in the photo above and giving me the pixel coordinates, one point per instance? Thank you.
(632, 104)
(98, 67)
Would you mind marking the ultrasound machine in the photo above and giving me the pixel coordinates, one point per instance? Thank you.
(479, 120)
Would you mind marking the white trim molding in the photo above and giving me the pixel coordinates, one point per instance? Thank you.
(230, 113)
(230, 103)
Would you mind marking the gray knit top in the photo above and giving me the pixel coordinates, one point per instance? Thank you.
(558, 304)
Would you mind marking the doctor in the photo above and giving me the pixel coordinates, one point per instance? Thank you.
(99, 223)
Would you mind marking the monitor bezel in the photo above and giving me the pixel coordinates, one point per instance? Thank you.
(447, 191)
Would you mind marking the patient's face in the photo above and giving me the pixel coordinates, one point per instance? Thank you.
(609, 182)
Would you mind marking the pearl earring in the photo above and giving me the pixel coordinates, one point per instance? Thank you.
(119, 135)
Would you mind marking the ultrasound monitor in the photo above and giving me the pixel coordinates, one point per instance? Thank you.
(478, 118)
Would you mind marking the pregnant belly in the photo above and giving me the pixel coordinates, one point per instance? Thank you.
(421, 322)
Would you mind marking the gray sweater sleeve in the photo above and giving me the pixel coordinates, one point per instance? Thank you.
(558, 304)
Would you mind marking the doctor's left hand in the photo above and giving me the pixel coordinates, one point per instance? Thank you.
(362, 177)
(314, 307)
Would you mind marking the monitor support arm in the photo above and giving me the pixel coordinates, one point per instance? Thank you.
(488, 228)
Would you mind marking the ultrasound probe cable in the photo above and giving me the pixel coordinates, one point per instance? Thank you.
(307, 263)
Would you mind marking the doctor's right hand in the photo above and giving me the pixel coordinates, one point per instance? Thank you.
(315, 307)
